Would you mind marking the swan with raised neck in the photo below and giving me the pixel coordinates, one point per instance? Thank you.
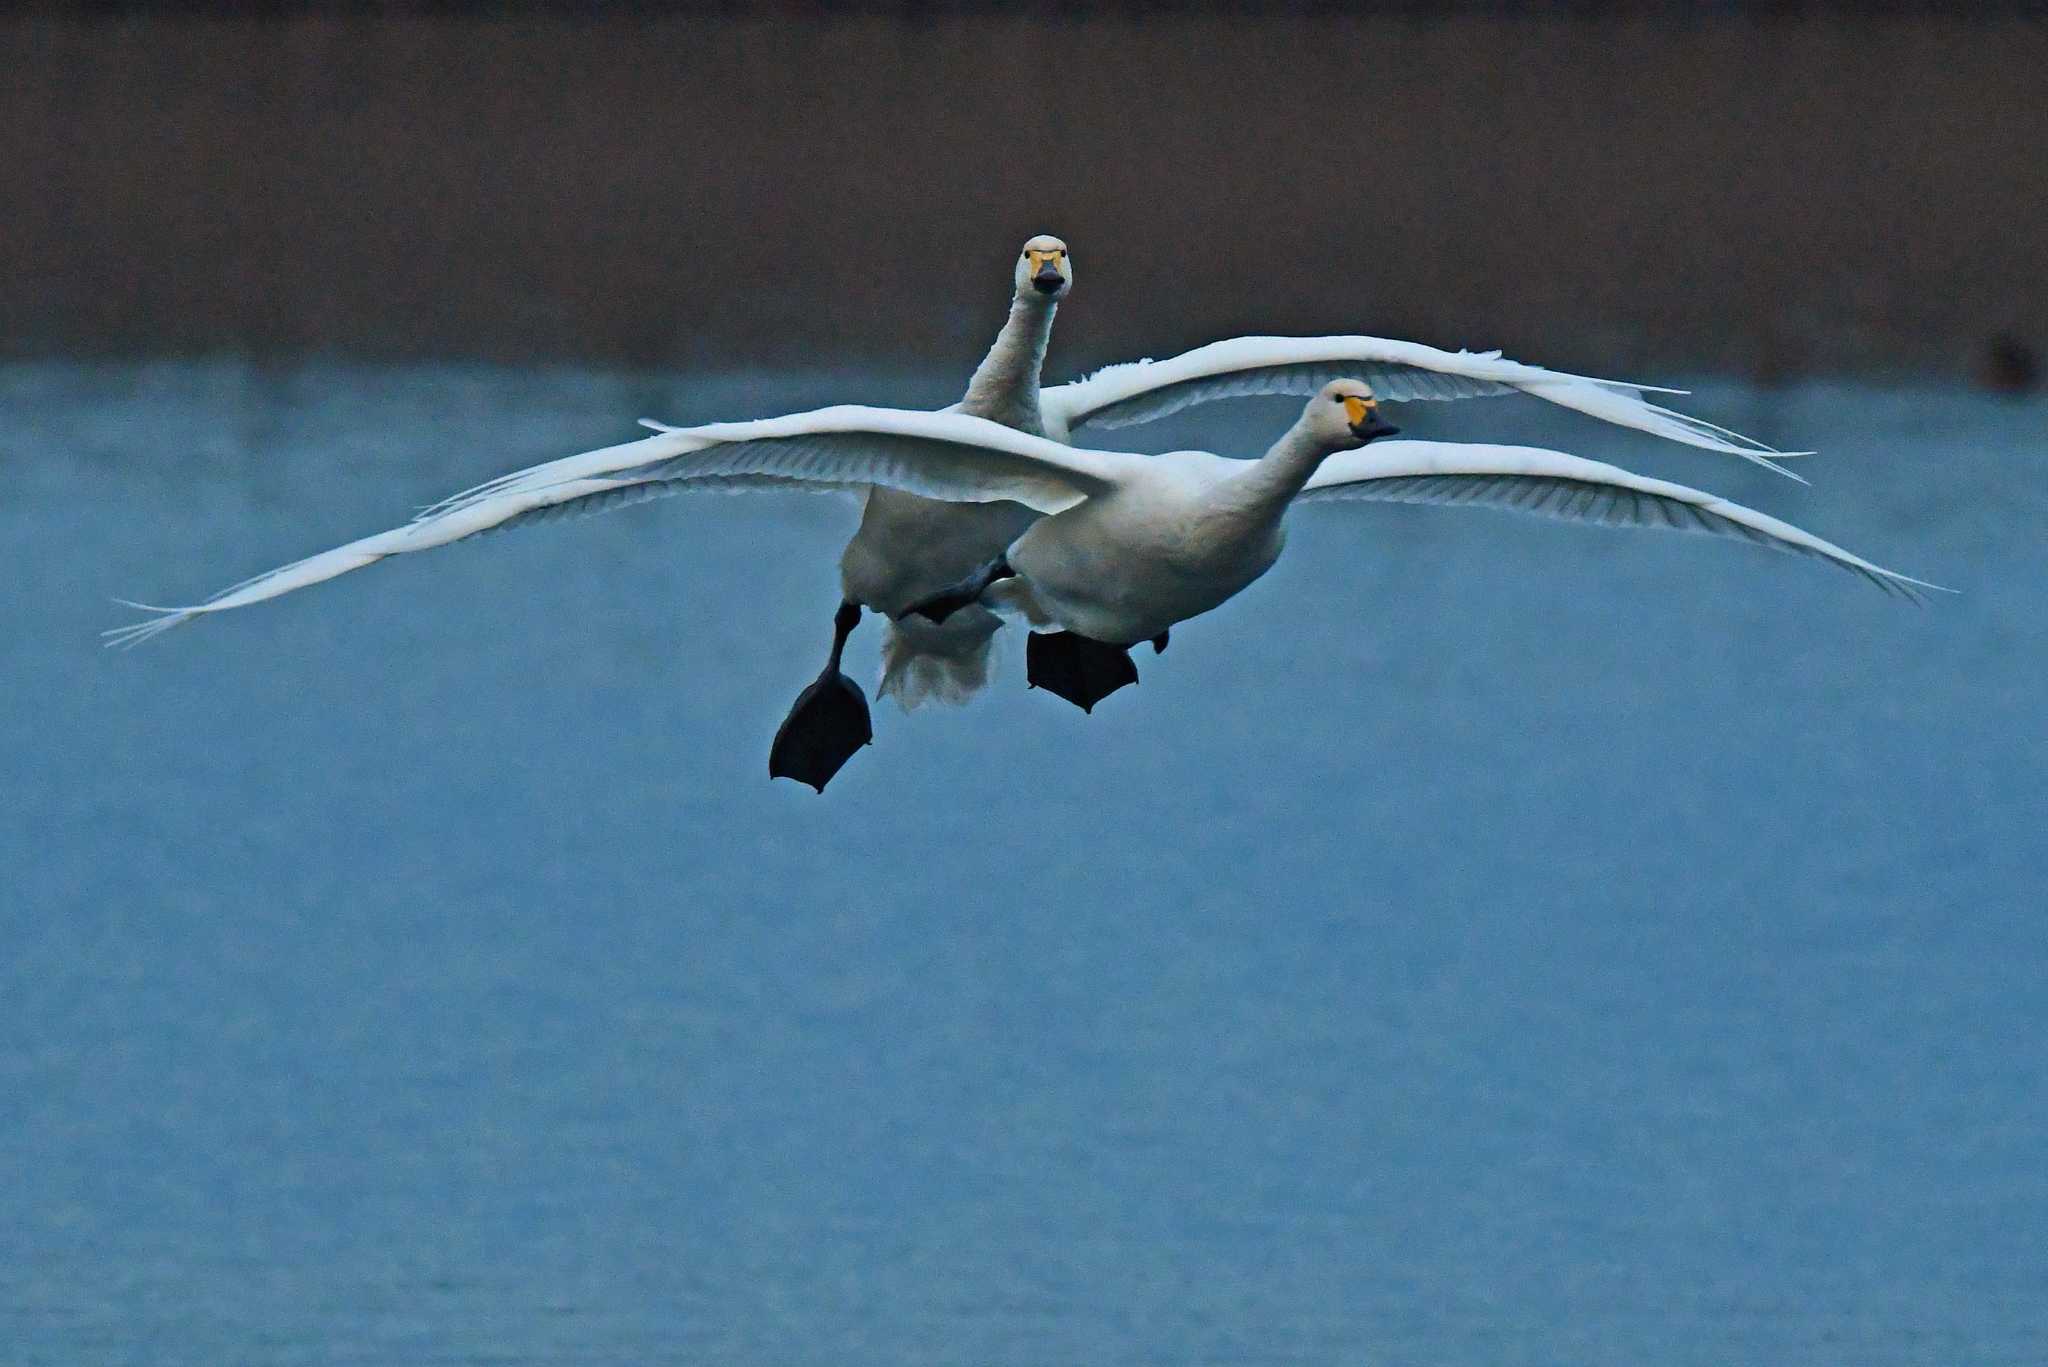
(1005, 385)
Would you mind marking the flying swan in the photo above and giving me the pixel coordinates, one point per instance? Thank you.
(908, 545)
(1129, 545)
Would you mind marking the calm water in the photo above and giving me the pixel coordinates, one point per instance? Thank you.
(1483, 942)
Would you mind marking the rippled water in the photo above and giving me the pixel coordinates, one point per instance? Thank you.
(1483, 942)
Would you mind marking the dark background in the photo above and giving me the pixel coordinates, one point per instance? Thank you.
(1768, 190)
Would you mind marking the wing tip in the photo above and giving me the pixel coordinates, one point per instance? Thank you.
(136, 633)
(1915, 591)
(1631, 386)
(1770, 462)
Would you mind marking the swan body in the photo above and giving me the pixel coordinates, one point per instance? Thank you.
(1179, 535)
(1182, 538)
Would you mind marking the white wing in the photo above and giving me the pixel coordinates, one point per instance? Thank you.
(1141, 391)
(1552, 484)
(940, 455)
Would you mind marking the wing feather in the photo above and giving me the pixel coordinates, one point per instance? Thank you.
(1144, 391)
(940, 455)
(1569, 488)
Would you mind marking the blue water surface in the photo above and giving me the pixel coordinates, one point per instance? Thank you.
(1483, 942)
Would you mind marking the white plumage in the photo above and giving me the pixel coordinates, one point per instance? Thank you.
(1143, 391)
(910, 545)
(963, 459)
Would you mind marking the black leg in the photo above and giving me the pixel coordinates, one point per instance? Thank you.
(1159, 642)
(948, 601)
(1077, 668)
(829, 722)
(843, 623)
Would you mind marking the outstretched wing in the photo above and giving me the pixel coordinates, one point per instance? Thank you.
(1142, 391)
(939, 455)
(1529, 479)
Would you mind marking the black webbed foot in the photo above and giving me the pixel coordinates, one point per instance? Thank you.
(1077, 668)
(829, 721)
(827, 727)
(1159, 642)
(950, 600)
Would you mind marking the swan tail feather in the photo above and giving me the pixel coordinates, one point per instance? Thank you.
(943, 662)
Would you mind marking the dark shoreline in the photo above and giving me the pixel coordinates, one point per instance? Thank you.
(1757, 196)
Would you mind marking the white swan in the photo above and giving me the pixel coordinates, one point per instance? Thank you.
(909, 546)
(1182, 534)
(1112, 518)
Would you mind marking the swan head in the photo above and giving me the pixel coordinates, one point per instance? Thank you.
(1344, 415)
(1044, 270)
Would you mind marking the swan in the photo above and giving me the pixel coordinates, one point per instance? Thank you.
(1178, 536)
(907, 545)
(1109, 519)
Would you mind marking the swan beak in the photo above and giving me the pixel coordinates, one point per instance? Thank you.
(1045, 273)
(1366, 423)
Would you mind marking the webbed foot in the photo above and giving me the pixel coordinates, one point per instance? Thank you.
(1081, 670)
(827, 726)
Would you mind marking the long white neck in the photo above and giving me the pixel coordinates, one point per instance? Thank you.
(1005, 386)
(1276, 477)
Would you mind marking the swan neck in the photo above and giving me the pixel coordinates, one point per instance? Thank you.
(1005, 386)
(1276, 477)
